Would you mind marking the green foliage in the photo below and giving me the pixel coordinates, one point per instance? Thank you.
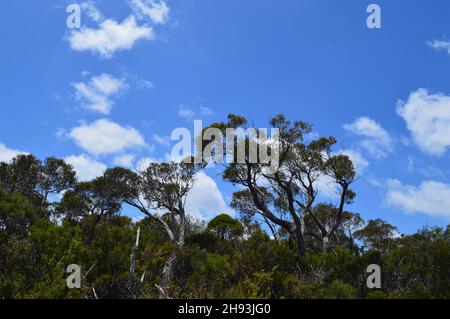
(36, 180)
(224, 259)
(339, 290)
(377, 234)
(225, 227)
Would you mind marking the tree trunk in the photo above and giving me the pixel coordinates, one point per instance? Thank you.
(178, 238)
(325, 244)
(167, 276)
(272, 229)
(133, 283)
(133, 255)
(300, 240)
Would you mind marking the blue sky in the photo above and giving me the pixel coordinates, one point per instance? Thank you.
(112, 92)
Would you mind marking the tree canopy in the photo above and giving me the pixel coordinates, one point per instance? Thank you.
(283, 242)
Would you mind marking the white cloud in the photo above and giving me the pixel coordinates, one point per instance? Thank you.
(440, 45)
(145, 84)
(377, 140)
(96, 95)
(106, 137)
(431, 198)
(375, 182)
(206, 111)
(91, 11)
(87, 169)
(156, 11)
(326, 187)
(61, 134)
(162, 140)
(428, 119)
(7, 154)
(205, 200)
(189, 114)
(418, 166)
(186, 113)
(124, 160)
(110, 37)
(144, 163)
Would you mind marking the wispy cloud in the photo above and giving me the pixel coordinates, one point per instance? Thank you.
(377, 141)
(90, 9)
(124, 160)
(186, 113)
(96, 95)
(206, 111)
(161, 140)
(430, 197)
(189, 114)
(440, 45)
(156, 11)
(415, 165)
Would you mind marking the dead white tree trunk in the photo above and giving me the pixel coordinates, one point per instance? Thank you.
(133, 255)
(167, 276)
(178, 240)
(133, 283)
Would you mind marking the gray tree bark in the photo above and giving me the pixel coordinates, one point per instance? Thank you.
(167, 276)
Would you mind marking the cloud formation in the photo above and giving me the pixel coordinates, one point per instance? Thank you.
(91, 11)
(96, 95)
(156, 11)
(86, 168)
(430, 197)
(124, 160)
(205, 201)
(377, 141)
(186, 113)
(440, 45)
(189, 114)
(109, 37)
(427, 117)
(161, 140)
(7, 154)
(106, 137)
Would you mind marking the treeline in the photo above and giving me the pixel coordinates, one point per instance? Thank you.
(285, 243)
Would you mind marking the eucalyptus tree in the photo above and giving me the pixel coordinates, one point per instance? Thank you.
(377, 234)
(159, 192)
(225, 227)
(55, 176)
(97, 198)
(343, 235)
(286, 195)
(36, 180)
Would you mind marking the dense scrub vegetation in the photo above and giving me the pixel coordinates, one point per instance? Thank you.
(284, 244)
